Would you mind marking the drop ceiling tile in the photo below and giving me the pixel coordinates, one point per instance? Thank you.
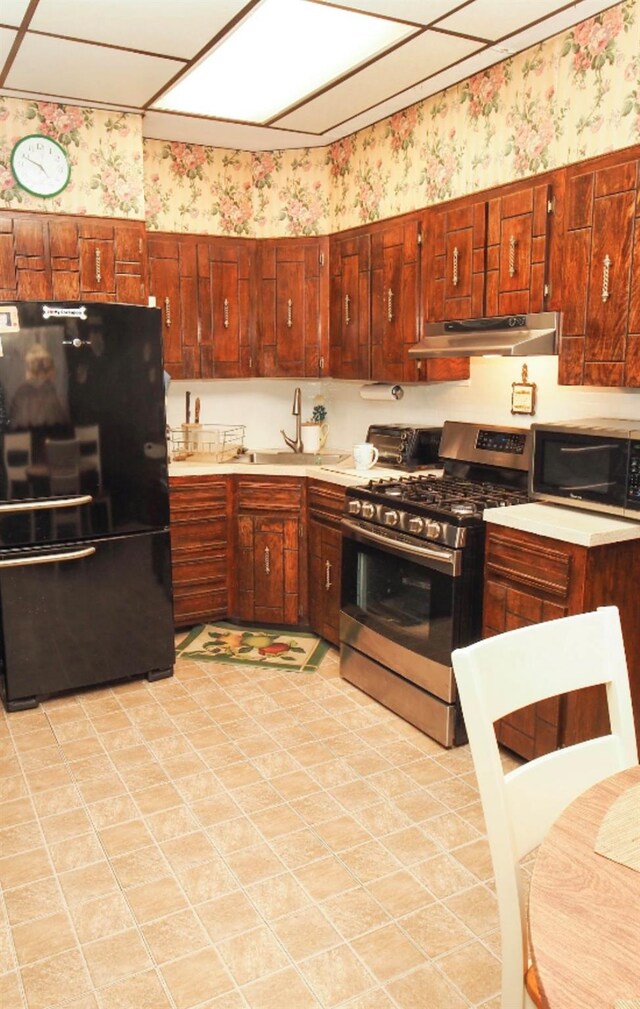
(415, 11)
(7, 36)
(153, 26)
(56, 67)
(213, 133)
(493, 19)
(13, 11)
(424, 55)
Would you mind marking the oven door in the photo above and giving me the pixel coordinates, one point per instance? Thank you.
(408, 605)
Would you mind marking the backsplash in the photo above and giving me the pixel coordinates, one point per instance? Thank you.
(264, 405)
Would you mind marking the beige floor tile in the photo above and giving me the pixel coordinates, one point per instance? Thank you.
(419, 806)
(443, 875)
(50, 777)
(11, 991)
(278, 895)
(17, 811)
(425, 986)
(216, 809)
(410, 845)
(383, 818)
(342, 832)
(17, 870)
(34, 900)
(276, 821)
(65, 825)
(477, 907)
(325, 878)
(50, 935)
(388, 952)
(336, 975)
(206, 880)
(109, 812)
(253, 864)
(76, 852)
(227, 915)
(400, 892)
(192, 787)
(156, 798)
(252, 955)
(476, 857)
(299, 848)
(268, 992)
(355, 912)
(450, 830)
(170, 823)
(105, 787)
(436, 930)
(425, 771)
(233, 835)
(369, 861)
(474, 970)
(141, 866)
(141, 991)
(305, 933)
(93, 880)
(19, 838)
(116, 957)
(156, 900)
(372, 1000)
(295, 785)
(100, 918)
(196, 977)
(253, 798)
(189, 849)
(57, 800)
(55, 980)
(125, 837)
(175, 936)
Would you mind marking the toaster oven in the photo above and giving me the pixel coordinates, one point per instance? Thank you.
(403, 446)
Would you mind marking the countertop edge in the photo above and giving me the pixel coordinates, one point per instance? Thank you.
(569, 525)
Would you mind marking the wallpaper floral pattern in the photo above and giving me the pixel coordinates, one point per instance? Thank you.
(569, 98)
(105, 152)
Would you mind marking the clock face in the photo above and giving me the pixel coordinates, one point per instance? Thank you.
(40, 165)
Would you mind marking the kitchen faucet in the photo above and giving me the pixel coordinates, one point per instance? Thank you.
(295, 444)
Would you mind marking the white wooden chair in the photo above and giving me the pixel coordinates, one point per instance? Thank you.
(507, 672)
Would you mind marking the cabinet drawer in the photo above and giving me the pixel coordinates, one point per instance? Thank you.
(188, 496)
(274, 494)
(533, 566)
(196, 532)
(196, 569)
(198, 606)
(325, 501)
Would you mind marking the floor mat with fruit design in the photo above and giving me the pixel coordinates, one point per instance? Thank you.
(254, 646)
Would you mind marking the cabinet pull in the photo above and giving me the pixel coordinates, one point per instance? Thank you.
(73, 555)
(167, 312)
(225, 313)
(513, 242)
(390, 305)
(347, 307)
(327, 575)
(455, 277)
(289, 313)
(606, 266)
(98, 266)
(267, 561)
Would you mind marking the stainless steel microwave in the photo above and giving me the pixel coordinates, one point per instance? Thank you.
(593, 464)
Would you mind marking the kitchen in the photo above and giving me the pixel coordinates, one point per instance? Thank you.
(118, 173)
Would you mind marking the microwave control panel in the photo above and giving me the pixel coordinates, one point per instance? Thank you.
(633, 479)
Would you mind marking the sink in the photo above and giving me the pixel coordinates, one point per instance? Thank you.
(291, 458)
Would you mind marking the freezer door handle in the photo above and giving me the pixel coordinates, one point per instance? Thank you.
(72, 555)
(50, 503)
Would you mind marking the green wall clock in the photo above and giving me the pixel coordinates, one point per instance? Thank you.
(40, 165)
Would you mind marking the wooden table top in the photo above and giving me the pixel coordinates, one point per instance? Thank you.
(584, 909)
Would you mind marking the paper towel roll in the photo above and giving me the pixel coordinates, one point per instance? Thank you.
(382, 390)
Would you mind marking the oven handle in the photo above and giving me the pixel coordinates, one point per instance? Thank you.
(444, 560)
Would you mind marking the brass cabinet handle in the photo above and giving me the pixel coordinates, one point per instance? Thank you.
(390, 305)
(225, 313)
(289, 313)
(167, 312)
(267, 561)
(513, 242)
(327, 575)
(347, 307)
(606, 266)
(456, 258)
(98, 266)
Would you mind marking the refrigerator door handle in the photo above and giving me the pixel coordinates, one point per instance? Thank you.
(36, 506)
(73, 555)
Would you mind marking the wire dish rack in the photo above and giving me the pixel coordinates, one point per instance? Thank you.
(206, 442)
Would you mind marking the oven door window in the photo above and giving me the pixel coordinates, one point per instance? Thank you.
(402, 599)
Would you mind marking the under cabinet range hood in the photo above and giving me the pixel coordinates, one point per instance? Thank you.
(501, 336)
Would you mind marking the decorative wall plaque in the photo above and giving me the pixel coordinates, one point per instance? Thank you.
(523, 394)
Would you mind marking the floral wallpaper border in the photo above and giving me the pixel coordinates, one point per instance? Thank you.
(569, 98)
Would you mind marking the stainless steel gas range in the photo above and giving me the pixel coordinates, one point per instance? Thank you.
(412, 572)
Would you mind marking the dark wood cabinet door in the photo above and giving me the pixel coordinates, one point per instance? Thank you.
(600, 318)
(394, 301)
(225, 276)
(517, 251)
(292, 330)
(173, 283)
(199, 548)
(454, 256)
(325, 552)
(25, 271)
(349, 307)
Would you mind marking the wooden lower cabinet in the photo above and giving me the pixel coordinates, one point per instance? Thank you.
(530, 579)
(270, 569)
(199, 548)
(325, 506)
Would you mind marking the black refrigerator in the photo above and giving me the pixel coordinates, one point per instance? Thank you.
(85, 566)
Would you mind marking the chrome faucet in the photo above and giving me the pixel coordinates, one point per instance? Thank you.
(296, 444)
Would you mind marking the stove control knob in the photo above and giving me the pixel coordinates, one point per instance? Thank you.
(433, 530)
(391, 517)
(354, 507)
(368, 510)
(415, 524)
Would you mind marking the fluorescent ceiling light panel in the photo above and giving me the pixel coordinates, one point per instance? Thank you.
(284, 50)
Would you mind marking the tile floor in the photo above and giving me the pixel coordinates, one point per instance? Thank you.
(239, 838)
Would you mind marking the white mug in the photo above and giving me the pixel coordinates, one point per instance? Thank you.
(365, 455)
(314, 436)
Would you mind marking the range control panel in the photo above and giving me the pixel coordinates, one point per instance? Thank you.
(510, 442)
(633, 478)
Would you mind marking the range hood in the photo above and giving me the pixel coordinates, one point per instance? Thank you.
(502, 336)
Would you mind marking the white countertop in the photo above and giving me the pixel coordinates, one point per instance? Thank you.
(571, 525)
(343, 473)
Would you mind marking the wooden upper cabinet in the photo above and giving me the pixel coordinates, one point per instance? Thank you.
(292, 330)
(601, 279)
(395, 265)
(349, 306)
(172, 282)
(226, 317)
(454, 257)
(24, 259)
(517, 251)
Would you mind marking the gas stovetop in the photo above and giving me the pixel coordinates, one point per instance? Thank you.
(484, 467)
